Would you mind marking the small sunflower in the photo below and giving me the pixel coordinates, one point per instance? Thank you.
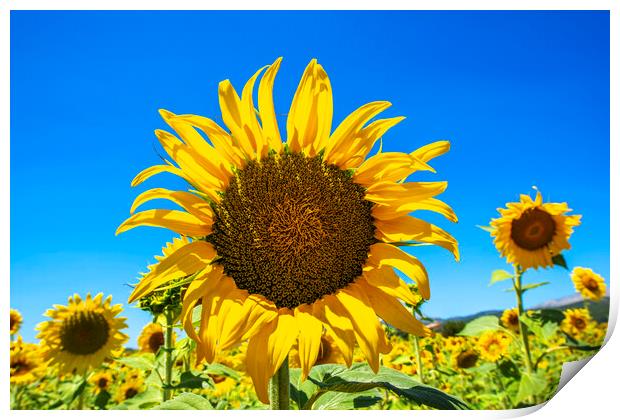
(82, 334)
(510, 319)
(129, 389)
(151, 338)
(291, 239)
(529, 233)
(101, 380)
(492, 345)
(465, 359)
(16, 321)
(27, 365)
(576, 321)
(588, 283)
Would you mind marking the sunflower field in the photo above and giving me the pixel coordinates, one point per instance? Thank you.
(288, 281)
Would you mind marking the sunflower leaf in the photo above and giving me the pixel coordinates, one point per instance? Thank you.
(186, 401)
(480, 325)
(485, 228)
(142, 361)
(559, 260)
(342, 401)
(531, 384)
(500, 275)
(193, 381)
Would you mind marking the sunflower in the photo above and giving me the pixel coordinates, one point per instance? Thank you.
(16, 321)
(465, 359)
(129, 389)
(27, 365)
(101, 380)
(510, 319)
(151, 338)
(530, 233)
(292, 239)
(82, 334)
(492, 345)
(588, 283)
(576, 321)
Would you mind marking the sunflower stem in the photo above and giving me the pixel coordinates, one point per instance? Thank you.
(418, 358)
(279, 388)
(522, 327)
(168, 356)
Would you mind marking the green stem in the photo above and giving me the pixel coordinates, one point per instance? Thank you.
(81, 397)
(522, 327)
(168, 356)
(279, 388)
(548, 351)
(418, 357)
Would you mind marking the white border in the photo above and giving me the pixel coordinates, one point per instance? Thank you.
(593, 394)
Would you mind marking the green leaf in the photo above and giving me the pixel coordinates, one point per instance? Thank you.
(500, 275)
(186, 401)
(343, 401)
(559, 260)
(480, 325)
(360, 378)
(531, 384)
(533, 285)
(509, 369)
(145, 400)
(142, 361)
(193, 381)
(402, 359)
(102, 398)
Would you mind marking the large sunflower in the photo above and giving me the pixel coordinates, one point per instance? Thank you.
(530, 233)
(82, 334)
(589, 284)
(291, 239)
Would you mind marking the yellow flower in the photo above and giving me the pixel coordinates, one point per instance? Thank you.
(101, 380)
(530, 232)
(588, 283)
(465, 359)
(82, 334)
(296, 237)
(152, 338)
(129, 389)
(453, 344)
(576, 321)
(27, 365)
(510, 319)
(16, 321)
(492, 345)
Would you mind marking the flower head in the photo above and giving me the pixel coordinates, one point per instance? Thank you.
(529, 233)
(492, 345)
(27, 365)
(589, 284)
(16, 321)
(288, 240)
(82, 334)
(510, 319)
(576, 321)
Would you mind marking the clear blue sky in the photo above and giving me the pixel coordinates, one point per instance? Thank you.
(523, 96)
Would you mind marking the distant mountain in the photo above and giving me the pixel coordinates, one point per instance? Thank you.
(598, 310)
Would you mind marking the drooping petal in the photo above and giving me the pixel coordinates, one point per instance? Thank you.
(388, 166)
(368, 331)
(154, 170)
(382, 255)
(193, 294)
(211, 304)
(336, 320)
(178, 221)
(392, 311)
(185, 261)
(386, 280)
(241, 316)
(407, 228)
(386, 212)
(432, 150)
(396, 195)
(268, 349)
(309, 339)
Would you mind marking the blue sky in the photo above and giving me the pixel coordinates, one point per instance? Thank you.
(523, 97)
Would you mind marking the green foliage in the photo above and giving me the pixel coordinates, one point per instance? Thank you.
(142, 361)
(530, 386)
(559, 260)
(452, 328)
(481, 325)
(186, 401)
(500, 275)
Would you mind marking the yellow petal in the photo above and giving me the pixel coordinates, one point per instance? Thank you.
(386, 212)
(386, 280)
(189, 259)
(432, 150)
(230, 105)
(211, 304)
(392, 311)
(396, 195)
(268, 349)
(299, 125)
(154, 170)
(348, 129)
(178, 221)
(190, 202)
(382, 255)
(336, 320)
(389, 166)
(241, 316)
(368, 331)
(266, 109)
(309, 339)
(250, 124)
(407, 228)
(194, 292)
